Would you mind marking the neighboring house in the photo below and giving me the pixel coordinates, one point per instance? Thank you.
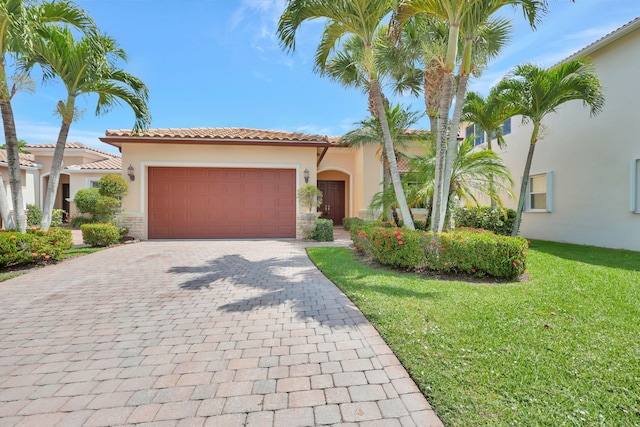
(238, 183)
(585, 175)
(83, 166)
(30, 171)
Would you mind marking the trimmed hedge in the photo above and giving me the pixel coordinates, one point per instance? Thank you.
(464, 250)
(349, 223)
(323, 231)
(100, 234)
(34, 246)
(498, 220)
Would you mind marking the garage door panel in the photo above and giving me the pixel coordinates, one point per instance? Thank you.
(221, 203)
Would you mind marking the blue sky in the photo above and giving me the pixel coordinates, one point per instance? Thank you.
(217, 63)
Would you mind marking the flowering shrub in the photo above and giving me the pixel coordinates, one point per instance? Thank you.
(100, 234)
(471, 251)
(34, 246)
(478, 252)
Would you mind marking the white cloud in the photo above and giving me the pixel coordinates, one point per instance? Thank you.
(314, 129)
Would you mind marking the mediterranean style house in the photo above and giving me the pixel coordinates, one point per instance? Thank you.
(239, 183)
(585, 176)
(83, 166)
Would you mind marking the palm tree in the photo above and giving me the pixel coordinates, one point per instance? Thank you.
(474, 172)
(534, 92)
(489, 115)
(360, 19)
(400, 121)
(87, 66)
(467, 23)
(21, 21)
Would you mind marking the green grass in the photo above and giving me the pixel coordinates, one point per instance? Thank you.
(74, 252)
(562, 349)
(10, 275)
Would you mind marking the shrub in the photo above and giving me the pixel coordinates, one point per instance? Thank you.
(471, 251)
(310, 196)
(113, 185)
(498, 220)
(86, 200)
(34, 246)
(478, 252)
(323, 232)
(349, 223)
(34, 215)
(57, 217)
(77, 221)
(100, 234)
(106, 208)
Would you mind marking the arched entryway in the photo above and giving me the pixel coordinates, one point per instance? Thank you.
(336, 195)
(62, 195)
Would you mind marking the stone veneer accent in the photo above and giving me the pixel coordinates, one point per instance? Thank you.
(304, 224)
(135, 224)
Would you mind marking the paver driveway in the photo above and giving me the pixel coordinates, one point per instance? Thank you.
(195, 333)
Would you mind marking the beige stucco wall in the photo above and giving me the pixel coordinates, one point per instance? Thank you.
(29, 180)
(590, 158)
(143, 156)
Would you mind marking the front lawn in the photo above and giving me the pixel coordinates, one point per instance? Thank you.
(560, 349)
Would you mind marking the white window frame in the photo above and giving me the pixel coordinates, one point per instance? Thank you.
(634, 203)
(90, 180)
(549, 193)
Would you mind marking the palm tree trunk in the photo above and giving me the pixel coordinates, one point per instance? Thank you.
(5, 210)
(13, 159)
(386, 184)
(56, 166)
(525, 180)
(376, 91)
(491, 186)
(441, 149)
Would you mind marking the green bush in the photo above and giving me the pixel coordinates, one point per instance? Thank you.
(498, 220)
(464, 250)
(34, 215)
(113, 185)
(323, 231)
(34, 246)
(106, 208)
(393, 247)
(57, 217)
(86, 200)
(100, 234)
(77, 221)
(349, 223)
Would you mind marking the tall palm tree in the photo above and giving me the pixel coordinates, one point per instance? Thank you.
(474, 172)
(360, 19)
(489, 115)
(534, 92)
(21, 21)
(86, 66)
(369, 132)
(465, 21)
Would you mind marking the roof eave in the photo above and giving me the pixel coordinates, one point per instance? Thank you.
(604, 41)
(117, 141)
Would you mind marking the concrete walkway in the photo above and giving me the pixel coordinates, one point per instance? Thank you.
(195, 333)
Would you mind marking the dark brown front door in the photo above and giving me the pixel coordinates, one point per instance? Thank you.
(332, 206)
(214, 203)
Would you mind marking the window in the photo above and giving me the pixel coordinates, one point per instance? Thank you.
(91, 183)
(635, 186)
(539, 192)
(506, 127)
(475, 130)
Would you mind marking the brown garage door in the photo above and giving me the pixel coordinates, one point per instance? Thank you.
(214, 203)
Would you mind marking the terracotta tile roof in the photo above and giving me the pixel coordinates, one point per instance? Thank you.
(221, 134)
(27, 160)
(114, 163)
(71, 145)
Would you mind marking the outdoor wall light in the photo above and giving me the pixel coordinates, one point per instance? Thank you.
(130, 171)
(306, 175)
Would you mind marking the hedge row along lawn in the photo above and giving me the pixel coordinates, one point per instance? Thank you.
(562, 349)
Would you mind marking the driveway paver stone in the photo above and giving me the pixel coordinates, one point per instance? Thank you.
(209, 333)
